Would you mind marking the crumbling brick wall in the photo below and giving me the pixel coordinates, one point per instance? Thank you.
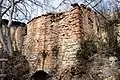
(58, 36)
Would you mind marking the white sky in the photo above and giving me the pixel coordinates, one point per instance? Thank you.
(55, 3)
(37, 11)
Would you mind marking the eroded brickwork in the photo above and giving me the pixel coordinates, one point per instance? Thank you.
(53, 39)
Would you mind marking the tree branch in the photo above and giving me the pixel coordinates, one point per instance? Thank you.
(10, 7)
(98, 12)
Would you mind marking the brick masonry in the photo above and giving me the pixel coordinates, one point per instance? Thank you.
(58, 36)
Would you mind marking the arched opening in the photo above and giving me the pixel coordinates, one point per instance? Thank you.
(40, 75)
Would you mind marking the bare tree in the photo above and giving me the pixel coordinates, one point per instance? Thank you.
(1, 32)
(16, 10)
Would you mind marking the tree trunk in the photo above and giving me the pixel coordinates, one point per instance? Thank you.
(3, 40)
(9, 41)
(8, 34)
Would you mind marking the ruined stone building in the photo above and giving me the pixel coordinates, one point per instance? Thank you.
(53, 39)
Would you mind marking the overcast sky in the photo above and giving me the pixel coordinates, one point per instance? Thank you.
(37, 11)
(55, 3)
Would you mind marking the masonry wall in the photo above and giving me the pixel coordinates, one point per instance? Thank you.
(18, 37)
(18, 31)
(53, 39)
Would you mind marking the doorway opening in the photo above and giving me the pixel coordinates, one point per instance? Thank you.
(40, 75)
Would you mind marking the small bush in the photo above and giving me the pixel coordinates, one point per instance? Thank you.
(88, 48)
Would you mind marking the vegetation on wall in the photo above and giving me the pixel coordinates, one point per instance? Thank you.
(88, 48)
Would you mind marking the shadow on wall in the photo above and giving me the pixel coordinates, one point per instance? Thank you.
(40, 75)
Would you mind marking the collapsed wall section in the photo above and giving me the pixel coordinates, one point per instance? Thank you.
(18, 31)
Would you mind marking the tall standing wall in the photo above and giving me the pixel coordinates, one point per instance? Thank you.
(53, 39)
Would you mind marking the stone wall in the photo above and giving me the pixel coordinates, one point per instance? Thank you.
(18, 31)
(53, 39)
